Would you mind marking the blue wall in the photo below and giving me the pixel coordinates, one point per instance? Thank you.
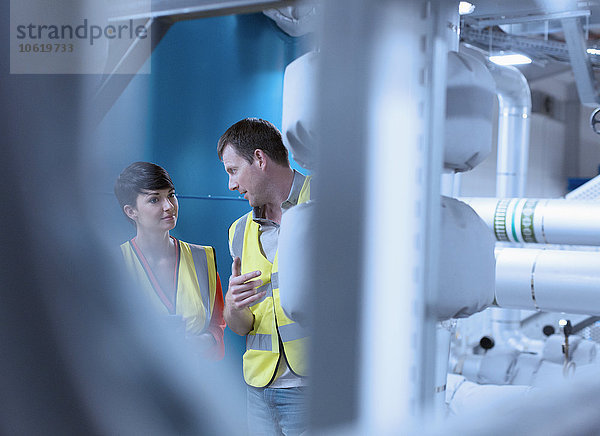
(206, 75)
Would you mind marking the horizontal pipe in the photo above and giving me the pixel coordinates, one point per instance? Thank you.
(543, 221)
(548, 280)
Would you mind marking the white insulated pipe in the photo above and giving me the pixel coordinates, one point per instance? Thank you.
(514, 111)
(543, 221)
(443, 338)
(548, 280)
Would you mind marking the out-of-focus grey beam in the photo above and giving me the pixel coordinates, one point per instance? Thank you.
(580, 62)
(132, 58)
(178, 10)
(160, 17)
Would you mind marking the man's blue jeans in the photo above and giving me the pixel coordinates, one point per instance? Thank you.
(277, 411)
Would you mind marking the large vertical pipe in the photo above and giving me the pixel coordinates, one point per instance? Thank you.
(373, 350)
(338, 240)
(514, 111)
(398, 366)
(451, 30)
(391, 369)
(450, 186)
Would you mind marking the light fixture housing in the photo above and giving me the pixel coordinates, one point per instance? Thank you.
(465, 8)
(510, 59)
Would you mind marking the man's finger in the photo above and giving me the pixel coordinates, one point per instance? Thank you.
(248, 286)
(236, 267)
(248, 299)
(245, 277)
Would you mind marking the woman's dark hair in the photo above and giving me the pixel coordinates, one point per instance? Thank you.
(139, 177)
(247, 135)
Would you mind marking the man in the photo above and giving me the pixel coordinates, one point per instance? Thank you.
(257, 162)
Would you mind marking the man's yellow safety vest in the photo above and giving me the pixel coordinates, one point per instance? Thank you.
(273, 334)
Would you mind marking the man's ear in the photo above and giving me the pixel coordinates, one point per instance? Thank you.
(130, 211)
(260, 157)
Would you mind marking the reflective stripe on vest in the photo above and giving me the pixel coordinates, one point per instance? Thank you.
(288, 332)
(258, 342)
(200, 258)
(291, 332)
(237, 244)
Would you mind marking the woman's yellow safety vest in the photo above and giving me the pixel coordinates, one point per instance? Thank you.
(272, 331)
(196, 278)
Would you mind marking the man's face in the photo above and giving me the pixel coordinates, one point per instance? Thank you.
(244, 177)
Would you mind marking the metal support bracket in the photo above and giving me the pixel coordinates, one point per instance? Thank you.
(580, 62)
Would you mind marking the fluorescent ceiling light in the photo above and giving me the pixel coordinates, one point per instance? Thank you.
(465, 8)
(510, 59)
(593, 51)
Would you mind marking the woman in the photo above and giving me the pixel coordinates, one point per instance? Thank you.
(180, 279)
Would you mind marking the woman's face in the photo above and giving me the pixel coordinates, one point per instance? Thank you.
(155, 210)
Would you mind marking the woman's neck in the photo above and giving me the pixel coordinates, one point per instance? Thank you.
(154, 246)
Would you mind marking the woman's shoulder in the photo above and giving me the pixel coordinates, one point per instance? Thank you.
(195, 246)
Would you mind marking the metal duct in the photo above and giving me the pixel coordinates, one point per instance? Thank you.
(514, 111)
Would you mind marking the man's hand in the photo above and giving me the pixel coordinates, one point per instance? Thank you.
(241, 294)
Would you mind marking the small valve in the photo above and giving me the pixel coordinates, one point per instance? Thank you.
(486, 343)
(548, 330)
(567, 328)
(595, 121)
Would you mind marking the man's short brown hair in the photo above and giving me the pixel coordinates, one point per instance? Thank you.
(250, 134)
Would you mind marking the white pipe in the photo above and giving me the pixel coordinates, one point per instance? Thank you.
(450, 184)
(544, 221)
(548, 280)
(514, 111)
(444, 332)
